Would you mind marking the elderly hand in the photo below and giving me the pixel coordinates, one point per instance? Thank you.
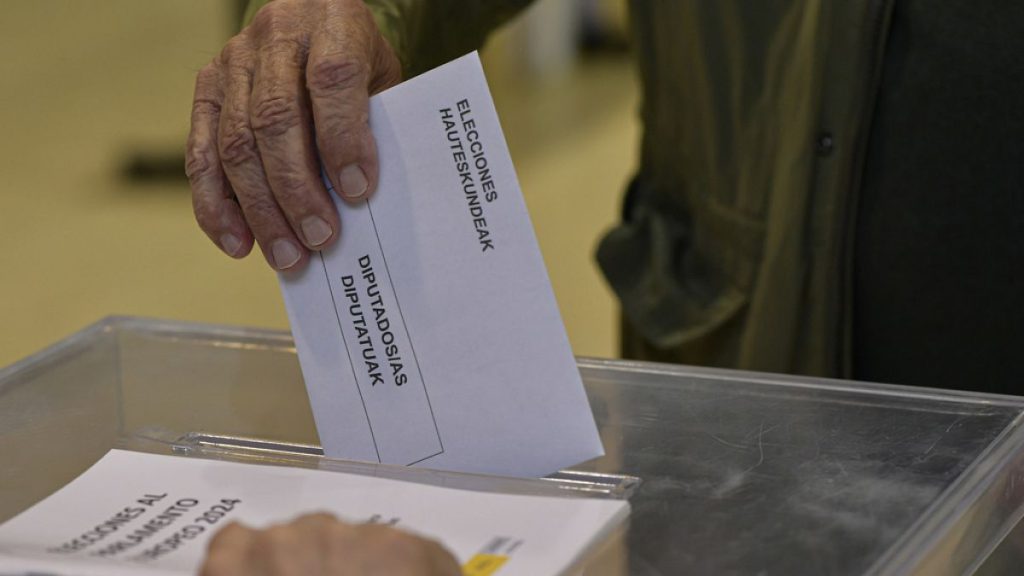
(294, 82)
(320, 545)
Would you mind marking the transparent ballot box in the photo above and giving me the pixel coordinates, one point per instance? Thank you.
(726, 472)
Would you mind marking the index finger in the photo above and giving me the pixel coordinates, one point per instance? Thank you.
(283, 128)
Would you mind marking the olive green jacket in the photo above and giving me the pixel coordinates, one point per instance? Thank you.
(735, 249)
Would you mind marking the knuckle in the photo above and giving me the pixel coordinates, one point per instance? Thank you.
(275, 114)
(288, 48)
(260, 212)
(236, 49)
(346, 126)
(342, 138)
(237, 144)
(206, 104)
(199, 160)
(208, 74)
(351, 129)
(290, 188)
(271, 18)
(336, 71)
(207, 79)
(205, 108)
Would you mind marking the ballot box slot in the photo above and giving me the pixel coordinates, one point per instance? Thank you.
(241, 442)
(242, 448)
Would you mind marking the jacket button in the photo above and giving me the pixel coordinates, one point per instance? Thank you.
(823, 146)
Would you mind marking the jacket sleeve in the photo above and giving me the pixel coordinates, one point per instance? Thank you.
(427, 33)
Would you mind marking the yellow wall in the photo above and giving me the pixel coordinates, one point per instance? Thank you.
(84, 84)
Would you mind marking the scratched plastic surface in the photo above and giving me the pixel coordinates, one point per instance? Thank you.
(742, 473)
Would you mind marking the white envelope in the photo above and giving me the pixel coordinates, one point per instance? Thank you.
(429, 334)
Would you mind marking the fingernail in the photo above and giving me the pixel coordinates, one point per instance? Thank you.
(285, 254)
(316, 230)
(230, 244)
(353, 181)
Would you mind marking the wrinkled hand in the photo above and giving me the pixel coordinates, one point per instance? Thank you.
(320, 545)
(295, 81)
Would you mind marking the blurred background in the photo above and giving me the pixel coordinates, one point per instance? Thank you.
(95, 216)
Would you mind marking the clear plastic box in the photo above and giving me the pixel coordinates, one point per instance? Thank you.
(740, 473)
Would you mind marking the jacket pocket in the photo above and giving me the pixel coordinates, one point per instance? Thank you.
(676, 285)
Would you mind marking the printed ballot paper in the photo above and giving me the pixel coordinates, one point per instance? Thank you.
(429, 334)
(136, 513)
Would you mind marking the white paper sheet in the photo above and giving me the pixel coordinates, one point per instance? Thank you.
(136, 513)
(429, 334)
